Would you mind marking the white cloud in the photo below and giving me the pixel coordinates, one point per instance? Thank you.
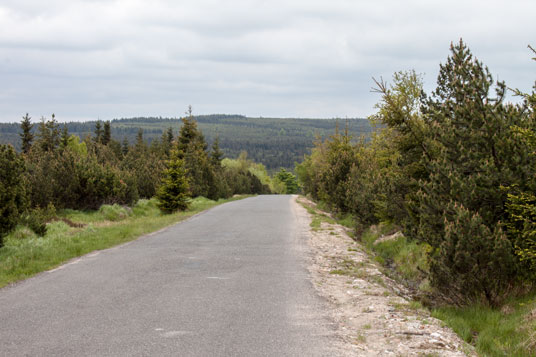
(272, 58)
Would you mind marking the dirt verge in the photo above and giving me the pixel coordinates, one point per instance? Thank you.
(373, 314)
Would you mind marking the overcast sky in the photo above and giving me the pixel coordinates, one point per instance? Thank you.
(89, 59)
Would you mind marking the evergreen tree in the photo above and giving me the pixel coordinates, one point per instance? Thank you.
(26, 135)
(98, 132)
(140, 145)
(291, 184)
(64, 141)
(13, 198)
(48, 134)
(125, 146)
(216, 155)
(167, 141)
(474, 155)
(107, 134)
(173, 194)
(192, 147)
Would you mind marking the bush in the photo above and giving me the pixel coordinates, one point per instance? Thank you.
(473, 263)
(13, 197)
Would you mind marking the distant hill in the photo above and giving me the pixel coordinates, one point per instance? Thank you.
(275, 142)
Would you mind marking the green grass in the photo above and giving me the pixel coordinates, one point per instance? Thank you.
(407, 258)
(24, 254)
(495, 332)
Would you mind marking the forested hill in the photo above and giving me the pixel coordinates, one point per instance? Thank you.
(274, 142)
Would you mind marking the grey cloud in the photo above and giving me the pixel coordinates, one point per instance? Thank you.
(272, 58)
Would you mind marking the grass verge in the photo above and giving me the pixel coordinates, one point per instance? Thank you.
(24, 254)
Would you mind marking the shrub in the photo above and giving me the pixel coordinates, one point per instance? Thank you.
(473, 263)
(13, 197)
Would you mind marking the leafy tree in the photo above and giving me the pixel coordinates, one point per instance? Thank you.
(13, 197)
(403, 145)
(173, 194)
(26, 135)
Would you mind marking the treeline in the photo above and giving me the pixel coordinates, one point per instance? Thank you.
(455, 170)
(58, 170)
(274, 142)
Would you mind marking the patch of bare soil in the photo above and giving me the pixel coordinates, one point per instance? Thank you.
(373, 314)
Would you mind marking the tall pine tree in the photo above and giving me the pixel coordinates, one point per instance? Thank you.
(26, 136)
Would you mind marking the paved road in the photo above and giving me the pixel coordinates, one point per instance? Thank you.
(228, 282)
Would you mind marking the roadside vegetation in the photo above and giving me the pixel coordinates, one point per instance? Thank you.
(72, 233)
(64, 196)
(443, 197)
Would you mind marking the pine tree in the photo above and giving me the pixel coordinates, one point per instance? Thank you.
(107, 134)
(167, 141)
(125, 146)
(13, 197)
(474, 155)
(98, 132)
(216, 155)
(48, 134)
(140, 145)
(26, 135)
(64, 141)
(192, 147)
(173, 194)
(291, 184)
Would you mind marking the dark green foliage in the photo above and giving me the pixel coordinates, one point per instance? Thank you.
(125, 147)
(216, 155)
(173, 194)
(64, 141)
(325, 175)
(146, 168)
(192, 148)
(13, 198)
(37, 219)
(473, 263)
(107, 133)
(450, 169)
(26, 135)
(71, 178)
(48, 134)
(98, 132)
(291, 184)
(262, 138)
(403, 145)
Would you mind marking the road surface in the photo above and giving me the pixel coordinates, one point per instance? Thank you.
(228, 282)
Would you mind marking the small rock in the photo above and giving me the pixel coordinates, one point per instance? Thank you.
(369, 309)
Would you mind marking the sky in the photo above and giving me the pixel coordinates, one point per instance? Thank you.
(105, 59)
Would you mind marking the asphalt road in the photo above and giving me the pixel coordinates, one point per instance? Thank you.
(228, 282)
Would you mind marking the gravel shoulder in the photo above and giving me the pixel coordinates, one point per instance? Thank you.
(372, 313)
